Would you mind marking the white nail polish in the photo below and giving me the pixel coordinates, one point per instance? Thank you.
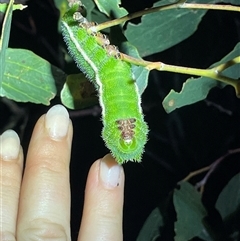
(57, 121)
(9, 145)
(110, 175)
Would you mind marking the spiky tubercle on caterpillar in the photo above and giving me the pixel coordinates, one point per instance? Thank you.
(124, 129)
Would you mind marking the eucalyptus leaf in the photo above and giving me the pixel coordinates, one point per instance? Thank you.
(140, 73)
(229, 199)
(150, 229)
(29, 78)
(78, 92)
(190, 212)
(166, 28)
(163, 29)
(111, 8)
(196, 89)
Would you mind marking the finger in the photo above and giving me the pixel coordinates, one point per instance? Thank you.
(44, 209)
(11, 164)
(103, 205)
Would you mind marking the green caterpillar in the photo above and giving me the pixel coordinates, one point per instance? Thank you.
(124, 131)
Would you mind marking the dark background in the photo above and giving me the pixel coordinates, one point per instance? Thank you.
(185, 140)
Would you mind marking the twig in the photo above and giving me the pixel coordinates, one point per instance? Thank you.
(213, 73)
(178, 4)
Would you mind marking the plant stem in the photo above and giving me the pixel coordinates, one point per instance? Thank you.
(213, 73)
(210, 6)
(130, 16)
(228, 64)
(195, 173)
(178, 4)
(210, 73)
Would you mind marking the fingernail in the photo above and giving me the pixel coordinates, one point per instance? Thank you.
(57, 122)
(9, 145)
(110, 172)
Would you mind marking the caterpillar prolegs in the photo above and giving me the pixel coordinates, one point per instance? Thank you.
(124, 130)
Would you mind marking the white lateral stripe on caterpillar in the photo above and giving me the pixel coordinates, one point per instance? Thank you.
(89, 61)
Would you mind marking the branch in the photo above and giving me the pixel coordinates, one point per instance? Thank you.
(178, 4)
(210, 6)
(213, 73)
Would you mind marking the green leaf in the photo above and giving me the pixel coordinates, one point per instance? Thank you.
(163, 29)
(140, 73)
(90, 8)
(4, 39)
(150, 230)
(193, 90)
(29, 78)
(78, 92)
(190, 212)
(111, 8)
(229, 199)
(196, 89)
(93, 14)
(166, 28)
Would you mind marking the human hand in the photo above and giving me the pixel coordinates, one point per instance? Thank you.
(37, 205)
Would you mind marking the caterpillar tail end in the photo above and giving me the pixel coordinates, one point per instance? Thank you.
(126, 150)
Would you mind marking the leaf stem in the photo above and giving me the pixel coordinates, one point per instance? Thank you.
(213, 73)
